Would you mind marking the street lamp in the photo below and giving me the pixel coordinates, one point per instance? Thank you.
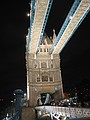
(28, 14)
(12, 107)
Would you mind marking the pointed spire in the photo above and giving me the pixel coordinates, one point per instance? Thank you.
(45, 41)
(54, 35)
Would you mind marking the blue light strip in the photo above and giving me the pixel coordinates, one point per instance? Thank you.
(75, 28)
(65, 24)
(44, 25)
(31, 22)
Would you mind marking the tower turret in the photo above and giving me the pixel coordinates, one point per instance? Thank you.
(44, 75)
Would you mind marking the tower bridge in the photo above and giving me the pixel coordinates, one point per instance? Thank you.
(43, 53)
(44, 80)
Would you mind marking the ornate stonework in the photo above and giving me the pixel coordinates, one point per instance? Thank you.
(43, 72)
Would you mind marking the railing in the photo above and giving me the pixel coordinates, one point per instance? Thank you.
(16, 116)
(18, 106)
(69, 112)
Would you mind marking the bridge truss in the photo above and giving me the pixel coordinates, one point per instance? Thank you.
(75, 17)
(39, 14)
(40, 10)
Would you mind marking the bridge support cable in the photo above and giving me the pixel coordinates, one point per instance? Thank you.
(75, 17)
(38, 23)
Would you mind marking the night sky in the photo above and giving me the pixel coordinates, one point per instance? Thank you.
(14, 23)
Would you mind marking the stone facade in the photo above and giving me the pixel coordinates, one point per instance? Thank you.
(43, 72)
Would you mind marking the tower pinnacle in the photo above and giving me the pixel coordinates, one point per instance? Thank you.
(54, 35)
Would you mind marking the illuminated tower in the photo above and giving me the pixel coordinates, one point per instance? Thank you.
(43, 72)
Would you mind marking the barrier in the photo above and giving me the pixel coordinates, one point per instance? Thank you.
(69, 112)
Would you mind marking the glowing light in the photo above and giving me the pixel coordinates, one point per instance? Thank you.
(28, 14)
(24, 94)
(71, 17)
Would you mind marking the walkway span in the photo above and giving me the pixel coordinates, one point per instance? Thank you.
(39, 14)
(75, 17)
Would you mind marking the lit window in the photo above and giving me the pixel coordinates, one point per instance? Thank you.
(56, 88)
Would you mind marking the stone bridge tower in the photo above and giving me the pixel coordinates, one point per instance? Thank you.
(43, 72)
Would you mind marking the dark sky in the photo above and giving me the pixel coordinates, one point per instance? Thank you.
(75, 57)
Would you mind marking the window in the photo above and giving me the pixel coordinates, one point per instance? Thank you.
(51, 79)
(43, 65)
(51, 65)
(44, 49)
(47, 49)
(44, 78)
(35, 66)
(43, 43)
(40, 49)
(38, 79)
